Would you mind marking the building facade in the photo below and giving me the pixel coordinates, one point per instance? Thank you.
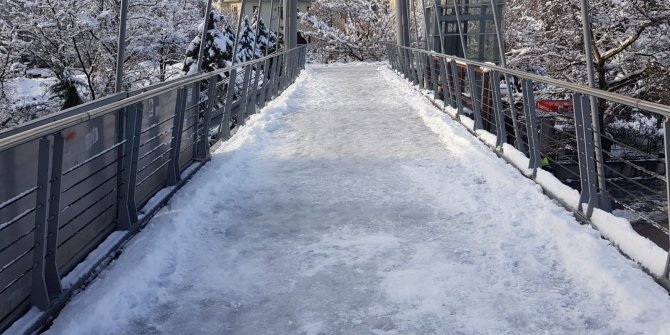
(277, 10)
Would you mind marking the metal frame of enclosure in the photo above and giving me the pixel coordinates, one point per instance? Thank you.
(562, 142)
(466, 28)
(77, 184)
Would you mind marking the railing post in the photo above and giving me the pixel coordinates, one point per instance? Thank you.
(431, 82)
(666, 142)
(287, 71)
(285, 68)
(401, 61)
(202, 149)
(40, 293)
(228, 107)
(586, 154)
(174, 173)
(407, 68)
(457, 89)
(291, 64)
(501, 132)
(589, 136)
(531, 126)
(282, 73)
(276, 81)
(420, 70)
(446, 83)
(264, 88)
(414, 67)
(274, 77)
(243, 97)
(296, 65)
(253, 98)
(52, 277)
(512, 110)
(476, 108)
(394, 52)
(584, 194)
(388, 54)
(127, 209)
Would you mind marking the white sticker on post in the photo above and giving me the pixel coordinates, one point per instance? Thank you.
(91, 138)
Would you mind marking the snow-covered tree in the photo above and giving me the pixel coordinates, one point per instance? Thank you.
(265, 38)
(349, 29)
(245, 45)
(159, 32)
(8, 52)
(631, 52)
(631, 42)
(218, 47)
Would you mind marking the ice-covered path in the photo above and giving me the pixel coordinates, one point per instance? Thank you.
(351, 205)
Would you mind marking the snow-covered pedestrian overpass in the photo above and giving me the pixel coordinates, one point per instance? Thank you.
(326, 200)
(352, 205)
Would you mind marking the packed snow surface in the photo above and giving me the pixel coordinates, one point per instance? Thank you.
(350, 205)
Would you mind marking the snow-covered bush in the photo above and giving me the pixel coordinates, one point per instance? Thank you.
(265, 38)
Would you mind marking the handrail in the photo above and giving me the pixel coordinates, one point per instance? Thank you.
(39, 131)
(616, 97)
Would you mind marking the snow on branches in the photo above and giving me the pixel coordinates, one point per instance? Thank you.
(349, 29)
(631, 43)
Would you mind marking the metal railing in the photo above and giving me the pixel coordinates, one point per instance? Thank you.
(76, 185)
(621, 168)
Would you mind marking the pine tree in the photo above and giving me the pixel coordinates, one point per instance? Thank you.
(218, 47)
(265, 38)
(245, 45)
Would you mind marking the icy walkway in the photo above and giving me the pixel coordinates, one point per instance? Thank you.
(352, 206)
